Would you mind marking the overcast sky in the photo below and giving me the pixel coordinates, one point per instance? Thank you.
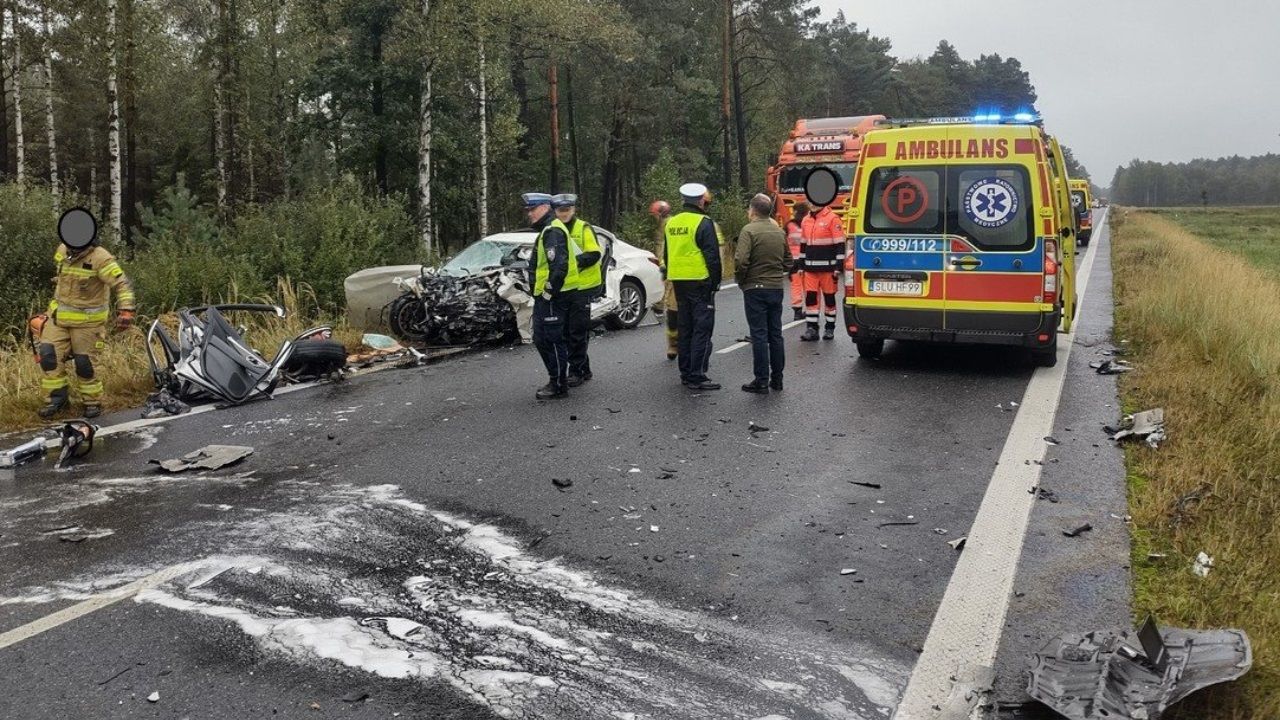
(1165, 80)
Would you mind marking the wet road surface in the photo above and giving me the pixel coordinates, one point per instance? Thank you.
(396, 543)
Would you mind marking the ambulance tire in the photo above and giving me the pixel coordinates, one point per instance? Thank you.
(1085, 237)
(870, 349)
(1048, 356)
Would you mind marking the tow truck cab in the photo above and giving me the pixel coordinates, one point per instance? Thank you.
(1082, 203)
(834, 143)
(961, 232)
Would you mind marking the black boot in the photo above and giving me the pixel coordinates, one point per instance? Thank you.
(551, 390)
(829, 333)
(810, 333)
(776, 384)
(756, 386)
(57, 403)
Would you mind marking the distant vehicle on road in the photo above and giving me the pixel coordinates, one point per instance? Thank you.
(834, 143)
(1082, 202)
(962, 232)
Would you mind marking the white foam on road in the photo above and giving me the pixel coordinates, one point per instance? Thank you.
(960, 649)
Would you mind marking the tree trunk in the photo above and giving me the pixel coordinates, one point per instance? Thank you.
(113, 126)
(611, 174)
(231, 98)
(520, 86)
(277, 133)
(554, 86)
(48, 110)
(19, 141)
(379, 109)
(130, 122)
(573, 132)
(484, 146)
(726, 43)
(220, 111)
(426, 228)
(740, 123)
(4, 106)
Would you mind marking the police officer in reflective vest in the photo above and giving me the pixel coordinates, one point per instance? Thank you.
(553, 273)
(586, 249)
(77, 315)
(692, 262)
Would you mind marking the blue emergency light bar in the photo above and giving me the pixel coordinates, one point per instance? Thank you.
(990, 118)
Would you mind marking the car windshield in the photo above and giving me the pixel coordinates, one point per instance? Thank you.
(477, 257)
(791, 179)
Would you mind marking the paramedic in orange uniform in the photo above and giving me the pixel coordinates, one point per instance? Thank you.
(821, 259)
(798, 213)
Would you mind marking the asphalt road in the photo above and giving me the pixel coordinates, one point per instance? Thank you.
(396, 544)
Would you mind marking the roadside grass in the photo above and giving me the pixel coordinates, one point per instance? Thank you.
(123, 364)
(1251, 232)
(1204, 331)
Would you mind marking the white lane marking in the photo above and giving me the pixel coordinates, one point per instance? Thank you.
(201, 409)
(959, 652)
(739, 345)
(93, 604)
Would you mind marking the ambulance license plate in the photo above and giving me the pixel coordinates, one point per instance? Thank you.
(896, 287)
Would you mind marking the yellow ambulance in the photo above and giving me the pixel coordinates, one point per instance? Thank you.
(961, 231)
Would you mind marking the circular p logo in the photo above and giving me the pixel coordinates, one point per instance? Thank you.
(904, 200)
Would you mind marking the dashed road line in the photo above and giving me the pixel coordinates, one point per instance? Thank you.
(958, 659)
(93, 604)
(740, 345)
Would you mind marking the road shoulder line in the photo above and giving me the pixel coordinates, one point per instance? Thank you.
(958, 658)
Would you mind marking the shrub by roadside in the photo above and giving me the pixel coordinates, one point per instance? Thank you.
(1204, 326)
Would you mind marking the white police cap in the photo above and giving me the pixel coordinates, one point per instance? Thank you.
(693, 191)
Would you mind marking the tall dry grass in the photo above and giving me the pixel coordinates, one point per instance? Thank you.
(1204, 325)
(123, 364)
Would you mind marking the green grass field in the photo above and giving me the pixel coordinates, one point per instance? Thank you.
(1197, 302)
(1251, 232)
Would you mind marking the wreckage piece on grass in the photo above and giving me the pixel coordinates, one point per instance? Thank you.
(1147, 425)
(209, 457)
(1111, 367)
(1106, 675)
(441, 309)
(211, 361)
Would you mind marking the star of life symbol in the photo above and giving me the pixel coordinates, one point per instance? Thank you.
(991, 202)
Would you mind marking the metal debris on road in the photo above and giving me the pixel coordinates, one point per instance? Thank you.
(1111, 367)
(892, 523)
(1134, 676)
(1078, 531)
(1203, 564)
(1052, 440)
(209, 457)
(958, 543)
(752, 427)
(162, 403)
(1147, 425)
(653, 528)
(154, 697)
(848, 571)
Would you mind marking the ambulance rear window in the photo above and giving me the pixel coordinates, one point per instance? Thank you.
(904, 200)
(991, 206)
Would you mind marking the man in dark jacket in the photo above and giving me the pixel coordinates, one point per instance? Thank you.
(691, 251)
(762, 262)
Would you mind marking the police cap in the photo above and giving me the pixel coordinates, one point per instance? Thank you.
(534, 199)
(564, 200)
(693, 192)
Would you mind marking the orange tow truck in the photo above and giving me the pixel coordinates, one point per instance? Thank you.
(835, 143)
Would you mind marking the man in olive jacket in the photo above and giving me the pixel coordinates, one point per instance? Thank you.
(763, 261)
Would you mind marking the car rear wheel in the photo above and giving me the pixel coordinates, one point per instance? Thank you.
(631, 306)
(870, 349)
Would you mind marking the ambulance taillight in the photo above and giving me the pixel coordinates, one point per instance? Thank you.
(1050, 271)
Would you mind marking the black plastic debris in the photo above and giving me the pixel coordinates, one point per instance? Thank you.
(1045, 494)
(1112, 675)
(1111, 367)
(753, 427)
(1078, 531)
(1052, 440)
(162, 404)
(1147, 425)
(209, 457)
(562, 483)
(873, 486)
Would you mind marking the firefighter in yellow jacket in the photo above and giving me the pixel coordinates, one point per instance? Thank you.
(76, 330)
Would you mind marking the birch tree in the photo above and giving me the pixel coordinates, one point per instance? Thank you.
(425, 230)
(48, 108)
(484, 145)
(113, 126)
(19, 142)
